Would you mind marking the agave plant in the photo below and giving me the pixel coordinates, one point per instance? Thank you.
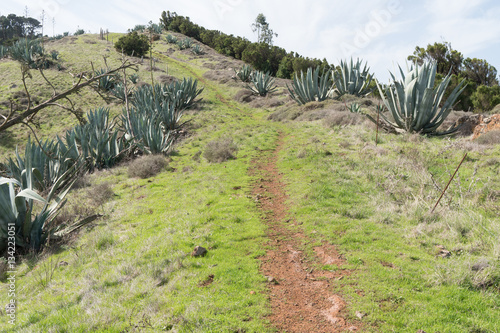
(134, 78)
(107, 82)
(47, 162)
(171, 39)
(312, 87)
(197, 49)
(147, 131)
(17, 210)
(416, 103)
(186, 43)
(262, 83)
(29, 52)
(182, 93)
(244, 73)
(94, 142)
(351, 79)
(118, 91)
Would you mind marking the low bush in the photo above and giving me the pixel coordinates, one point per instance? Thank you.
(221, 150)
(147, 166)
(133, 44)
(489, 138)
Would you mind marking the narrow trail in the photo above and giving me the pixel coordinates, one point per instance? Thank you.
(301, 298)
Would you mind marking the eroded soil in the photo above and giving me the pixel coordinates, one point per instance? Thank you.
(301, 297)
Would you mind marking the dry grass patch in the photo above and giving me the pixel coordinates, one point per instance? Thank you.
(220, 150)
(147, 166)
(489, 138)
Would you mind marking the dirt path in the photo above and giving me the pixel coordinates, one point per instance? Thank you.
(301, 298)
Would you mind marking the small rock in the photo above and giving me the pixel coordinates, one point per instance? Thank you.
(479, 266)
(360, 315)
(199, 251)
(271, 279)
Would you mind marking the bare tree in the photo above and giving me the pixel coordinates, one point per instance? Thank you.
(84, 79)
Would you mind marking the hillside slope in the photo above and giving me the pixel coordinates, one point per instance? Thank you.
(357, 216)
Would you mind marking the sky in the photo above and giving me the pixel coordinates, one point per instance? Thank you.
(382, 33)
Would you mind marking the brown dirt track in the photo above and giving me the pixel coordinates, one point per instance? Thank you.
(300, 296)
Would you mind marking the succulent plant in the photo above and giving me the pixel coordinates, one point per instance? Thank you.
(20, 218)
(107, 82)
(186, 43)
(171, 39)
(244, 73)
(262, 83)
(351, 79)
(45, 158)
(29, 52)
(197, 49)
(95, 142)
(416, 104)
(311, 87)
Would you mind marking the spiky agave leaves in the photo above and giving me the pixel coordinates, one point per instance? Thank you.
(96, 142)
(351, 79)
(31, 230)
(416, 103)
(311, 87)
(244, 73)
(262, 83)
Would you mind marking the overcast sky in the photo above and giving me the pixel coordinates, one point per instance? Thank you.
(381, 32)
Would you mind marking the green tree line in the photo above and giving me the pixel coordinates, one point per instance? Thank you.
(263, 56)
(13, 27)
(482, 92)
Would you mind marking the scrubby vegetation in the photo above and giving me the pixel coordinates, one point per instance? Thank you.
(404, 267)
(133, 44)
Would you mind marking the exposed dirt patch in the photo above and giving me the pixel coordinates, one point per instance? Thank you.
(301, 297)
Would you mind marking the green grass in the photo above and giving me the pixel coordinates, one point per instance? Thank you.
(132, 269)
(373, 202)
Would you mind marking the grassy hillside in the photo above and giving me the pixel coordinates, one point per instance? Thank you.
(404, 269)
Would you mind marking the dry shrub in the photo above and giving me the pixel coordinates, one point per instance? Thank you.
(489, 138)
(167, 79)
(266, 102)
(221, 150)
(244, 96)
(100, 193)
(343, 118)
(313, 105)
(147, 166)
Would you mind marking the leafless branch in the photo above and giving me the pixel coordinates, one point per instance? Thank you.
(31, 111)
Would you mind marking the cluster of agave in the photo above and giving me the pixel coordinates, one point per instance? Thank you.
(3, 51)
(348, 78)
(258, 82)
(52, 167)
(416, 103)
(186, 43)
(311, 87)
(29, 52)
(154, 119)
